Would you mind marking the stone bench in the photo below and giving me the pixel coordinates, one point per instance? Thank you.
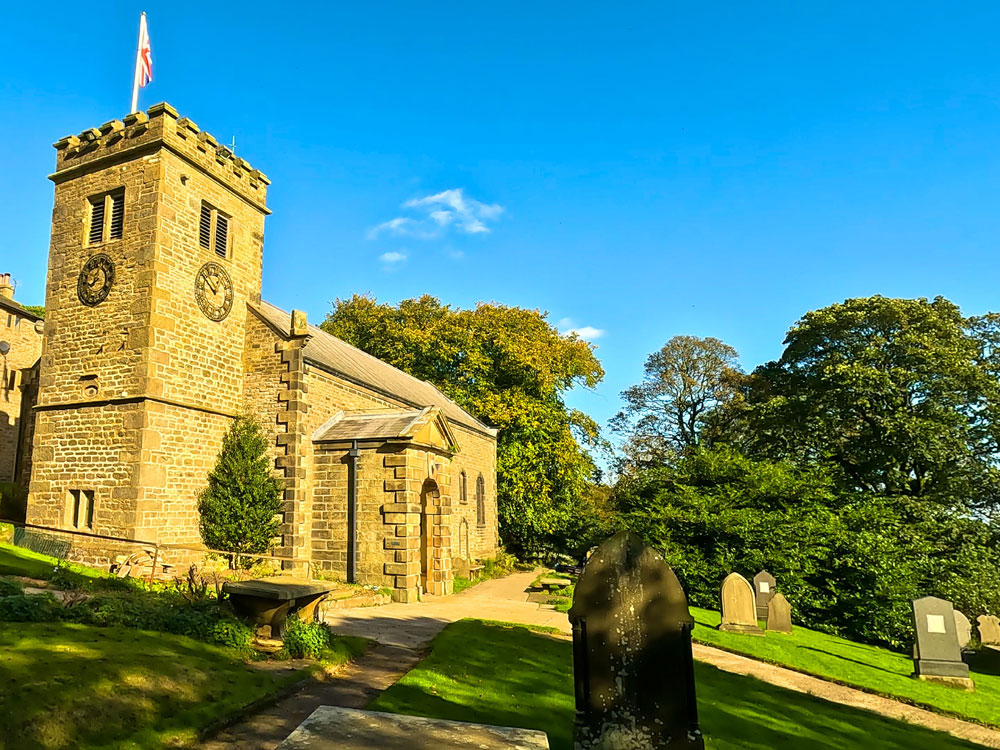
(269, 601)
(554, 583)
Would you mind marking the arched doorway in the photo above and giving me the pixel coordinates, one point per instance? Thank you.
(429, 502)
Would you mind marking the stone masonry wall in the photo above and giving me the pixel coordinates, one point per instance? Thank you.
(25, 342)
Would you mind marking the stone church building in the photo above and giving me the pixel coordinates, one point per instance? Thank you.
(155, 338)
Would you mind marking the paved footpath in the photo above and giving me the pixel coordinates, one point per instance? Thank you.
(404, 631)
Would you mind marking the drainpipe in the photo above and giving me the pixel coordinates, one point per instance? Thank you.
(352, 514)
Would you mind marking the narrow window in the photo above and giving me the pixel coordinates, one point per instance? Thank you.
(106, 217)
(96, 235)
(80, 509)
(213, 230)
(463, 490)
(117, 201)
(481, 501)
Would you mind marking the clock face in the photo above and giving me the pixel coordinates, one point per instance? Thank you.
(95, 280)
(214, 291)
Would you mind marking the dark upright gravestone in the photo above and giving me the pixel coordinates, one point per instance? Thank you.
(937, 656)
(632, 661)
(763, 590)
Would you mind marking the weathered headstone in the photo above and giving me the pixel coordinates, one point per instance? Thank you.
(936, 654)
(989, 629)
(763, 590)
(632, 663)
(779, 614)
(963, 629)
(739, 614)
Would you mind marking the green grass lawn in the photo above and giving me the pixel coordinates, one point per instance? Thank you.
(868, 667)
(496, 673)
(17, 561)
(76, 686)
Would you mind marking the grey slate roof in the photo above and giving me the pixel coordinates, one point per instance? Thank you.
(340, 358)
(368, 426)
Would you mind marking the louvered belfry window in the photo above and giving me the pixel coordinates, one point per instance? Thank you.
(213, 230)
(107, 217)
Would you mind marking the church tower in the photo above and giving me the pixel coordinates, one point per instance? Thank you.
(157, 238)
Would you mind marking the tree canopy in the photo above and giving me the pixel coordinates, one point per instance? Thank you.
(509, 367)
(683, 383)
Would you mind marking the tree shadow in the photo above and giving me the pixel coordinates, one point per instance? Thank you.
(865, 664)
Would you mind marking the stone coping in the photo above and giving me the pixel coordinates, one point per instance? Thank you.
(333, 728)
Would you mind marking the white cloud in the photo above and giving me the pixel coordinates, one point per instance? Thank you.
(392, 259)
(440, 212)
(587, 333)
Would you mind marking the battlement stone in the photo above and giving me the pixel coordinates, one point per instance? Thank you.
(146, 132)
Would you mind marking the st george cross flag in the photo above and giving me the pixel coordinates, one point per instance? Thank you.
(143, 63)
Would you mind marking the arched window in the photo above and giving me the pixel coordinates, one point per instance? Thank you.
(463, 489)
(481, 501)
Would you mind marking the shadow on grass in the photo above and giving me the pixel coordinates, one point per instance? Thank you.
(984, 661)
(76, 686)
(865, 664)
(513, 677)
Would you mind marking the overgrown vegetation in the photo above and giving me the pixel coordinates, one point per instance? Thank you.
(239, 507)
(485, 672)
(503, 564)
(13, 501)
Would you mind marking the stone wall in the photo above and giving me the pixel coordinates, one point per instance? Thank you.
(20, 330)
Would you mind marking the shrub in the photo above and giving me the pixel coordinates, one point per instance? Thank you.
(239, 507)
(10, 587)
(306, 640)
(29, 608)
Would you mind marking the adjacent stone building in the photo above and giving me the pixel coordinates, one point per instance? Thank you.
(156, 338)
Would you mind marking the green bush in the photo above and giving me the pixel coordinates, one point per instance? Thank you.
(306, 640)
(10, 587)
(29, 608)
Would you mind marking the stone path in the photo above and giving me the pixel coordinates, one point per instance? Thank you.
(405, 630)
(354, 687)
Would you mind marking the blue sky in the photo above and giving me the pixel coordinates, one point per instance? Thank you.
(641, 170)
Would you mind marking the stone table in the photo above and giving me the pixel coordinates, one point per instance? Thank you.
(268, 601)
(331, 728)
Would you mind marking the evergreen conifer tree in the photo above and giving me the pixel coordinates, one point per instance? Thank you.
(239, 507)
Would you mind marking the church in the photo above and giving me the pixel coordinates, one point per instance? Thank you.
(155, 337)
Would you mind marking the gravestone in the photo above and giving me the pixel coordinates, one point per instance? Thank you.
(779, 614)
(632, 664)
(963, 628)
(936, 654)
(763, 589)
(989, 629)
(739, 614)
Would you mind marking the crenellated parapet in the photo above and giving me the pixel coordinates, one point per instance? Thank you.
(159, 127)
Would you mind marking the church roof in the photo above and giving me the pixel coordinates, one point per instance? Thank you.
(8, 304)
(340, 358)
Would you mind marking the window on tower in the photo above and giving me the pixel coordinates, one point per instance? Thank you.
(106, 217)
(213, 230)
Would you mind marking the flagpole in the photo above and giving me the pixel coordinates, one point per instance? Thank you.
(138, 61)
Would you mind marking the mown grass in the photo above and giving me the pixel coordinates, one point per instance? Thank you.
(77, 686)
(495, 673)
(867, 667)
(17, 561)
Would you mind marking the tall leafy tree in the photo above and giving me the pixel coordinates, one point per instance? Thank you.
(684, 382)
(899, 396)
(510, 368)
(239, 507)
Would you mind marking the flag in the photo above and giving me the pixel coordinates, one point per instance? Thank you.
(144, 61)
